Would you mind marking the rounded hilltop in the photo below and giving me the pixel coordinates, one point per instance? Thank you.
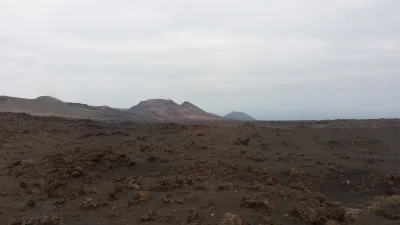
(48, 98)
(239, 116)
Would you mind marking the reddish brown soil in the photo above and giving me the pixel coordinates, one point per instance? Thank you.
(77, 172)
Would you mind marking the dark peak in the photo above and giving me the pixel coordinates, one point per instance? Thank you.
(190, 106)
(48, 98)
(186, 103)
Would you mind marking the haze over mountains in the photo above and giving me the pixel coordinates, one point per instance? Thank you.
(149, 110)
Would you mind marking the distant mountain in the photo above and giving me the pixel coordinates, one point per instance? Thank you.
(50, 106)
(162, 109)
(149, 110)
(239, 116)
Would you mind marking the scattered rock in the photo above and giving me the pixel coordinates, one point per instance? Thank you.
(230, 219)
(252, 202)
(206, 187)
(50, 220)
(319, 211)
(331, 223)
(171, 183)
(257, 186)
(271, 181)
(31, 203)
(89, 203)
(319, 163)
(14, 222)
(46, 219)
(193, 217)
(350, 212)
(76, 163)
(141, 197)
(370, 160)
(23, 184)
(167, 199)
(242, 141)
(16, 163)
(29, 221)
(93, 191)
(225, 187)
(152, 159)
(150, 216)
(308, 215)
(60, 201)
(112, 215)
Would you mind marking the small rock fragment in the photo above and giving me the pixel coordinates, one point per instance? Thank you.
(14, 222)
(230, 219)
(93, 191)
(141, 197)
(150, 216)
(50, 220)
(89, 203)
(307, 214)
(29, 221)
(193, 217)
(330, 223)
(252, 202)
(242, 141)
(271, 181)
(31, 203)
(23, 184)
(112, 215)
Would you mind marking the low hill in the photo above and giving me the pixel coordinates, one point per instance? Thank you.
(239, 116)
(50, 106)
(162, 109)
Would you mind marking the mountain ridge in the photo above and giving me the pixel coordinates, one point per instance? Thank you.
(148, 110)
(50, 106)
(166, 109)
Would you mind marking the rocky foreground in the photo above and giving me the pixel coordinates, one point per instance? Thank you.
(58, 171)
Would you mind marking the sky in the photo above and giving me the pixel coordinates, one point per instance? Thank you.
(273, 59)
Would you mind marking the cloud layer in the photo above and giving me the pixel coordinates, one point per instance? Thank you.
(273, 59)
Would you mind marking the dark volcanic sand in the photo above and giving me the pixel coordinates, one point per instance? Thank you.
(87, 172)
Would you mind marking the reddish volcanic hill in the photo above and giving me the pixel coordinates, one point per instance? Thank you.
(162, 109)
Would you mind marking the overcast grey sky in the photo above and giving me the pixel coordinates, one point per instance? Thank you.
(281, 59)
